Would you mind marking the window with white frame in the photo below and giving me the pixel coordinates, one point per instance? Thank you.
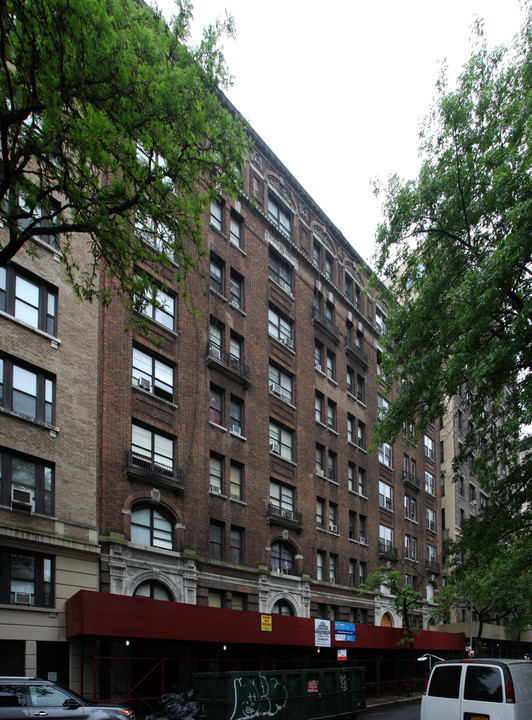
(430, 519)
(333, 517)
(351, 429)
(320, 460)
(320, 513)
(28, 298)
(152, 374)
(331, 414)
(331, 365)
(385, 539)
(281, 496)
(31, 477)
(385, 495)
(236, 295)
(332, 463)
(281, 441)
(237, 481)
(333, 568)
(410, 507)
(280, 327)
(153, 447)
(431, 555)
(237, 545)
(235, 230)
(428, 444)
(281, 383)
(151, 527)
(362, 481)
(236, 412)
(216, 274)
(216, 405)
(282, 558)
(320, 565)
(361, 434)
(216, 474)
(350, 381)
(216, 338)
(217, 214)
(351, 477)
(385, 454)
(429, 483)
(318, 407)
(161, 308)
(318, 355)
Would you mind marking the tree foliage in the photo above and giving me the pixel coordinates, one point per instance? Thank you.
(109, 122)
(455, 245)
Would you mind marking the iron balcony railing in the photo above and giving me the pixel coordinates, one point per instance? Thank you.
(150, 468)
(285, 514)
(226, 359)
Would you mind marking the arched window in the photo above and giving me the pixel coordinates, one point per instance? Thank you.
(149, 526)
(282, 559)
(282, 607)
(154, 590)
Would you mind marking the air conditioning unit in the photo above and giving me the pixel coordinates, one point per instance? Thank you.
(236, 429)
(286, 341)
(333, 528)
(216, 490)
(317, 365)
(287, 513)
(275, 389)
(474, 502)
(275, 448)
(362, 539)
(333, 579)
(21, 498)
(144, 383)
(215, 351)
(22, 598)
(276, 569)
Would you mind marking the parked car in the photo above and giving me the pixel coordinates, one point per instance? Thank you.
(29, 697)
(478, 689)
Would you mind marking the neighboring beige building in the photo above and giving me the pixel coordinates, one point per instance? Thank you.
(48, 452)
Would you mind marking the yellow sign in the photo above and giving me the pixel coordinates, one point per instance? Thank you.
(266, 623)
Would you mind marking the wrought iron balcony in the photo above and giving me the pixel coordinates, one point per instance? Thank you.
(356, 352)
(326, 324)
(285, 517)
(224, 361)
(432, 566)
(410, 479)
(386, 550)
(144, 468)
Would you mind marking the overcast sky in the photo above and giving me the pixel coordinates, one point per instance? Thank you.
(338, 89)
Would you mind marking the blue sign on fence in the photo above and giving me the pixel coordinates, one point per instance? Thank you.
(344, 631)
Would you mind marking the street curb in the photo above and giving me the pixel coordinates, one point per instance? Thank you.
(391, 703)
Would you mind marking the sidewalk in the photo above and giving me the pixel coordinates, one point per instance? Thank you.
(373, 702)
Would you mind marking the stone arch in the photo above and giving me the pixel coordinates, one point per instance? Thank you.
(147, 575)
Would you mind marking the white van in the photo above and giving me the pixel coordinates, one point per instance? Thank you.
(472, 689)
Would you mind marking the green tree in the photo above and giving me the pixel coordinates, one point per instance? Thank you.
(109, 122)
(455, 245)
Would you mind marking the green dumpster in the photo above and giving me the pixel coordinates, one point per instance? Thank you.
(282, 694)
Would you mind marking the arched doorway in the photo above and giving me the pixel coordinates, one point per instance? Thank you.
(386, 620)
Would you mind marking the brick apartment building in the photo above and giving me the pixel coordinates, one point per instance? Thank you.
(225, 468)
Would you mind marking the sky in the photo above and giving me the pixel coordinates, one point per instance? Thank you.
(338, 89)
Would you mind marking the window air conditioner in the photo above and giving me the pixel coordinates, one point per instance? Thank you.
(276, 569)
(333, 579)
(21, 498)
(362, 539)
(275, 389)
(286, 513)
(333, 528)
(236, 429)
(317, 365)
(216, 490)
(22, 598)
(275, 448)
(144, 383)
(286, 341)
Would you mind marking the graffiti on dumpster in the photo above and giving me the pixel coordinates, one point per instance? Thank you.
(257, 697)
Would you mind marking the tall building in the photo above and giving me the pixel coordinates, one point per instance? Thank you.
(159, 487)
(49, 389)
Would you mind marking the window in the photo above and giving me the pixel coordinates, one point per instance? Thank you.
(29, 299)
(156, 449)
(316, 254)
(238, 601)
(237, 546)
(333, 517)
(352, 575)
(358, 297)
(361, 434)
(282, 558)
(430, 519)
(328, 267)
(27, 391)
(362, 481)
(332, 463)
(281, 441)
(431, 555)
(361, 390)
(282, 607)
(429, 483)
(235, 348)
(351, 429)
(410, 507)
(331, 365)
(153, 375)
(318, 407)
(216, 338)
(280, 327)
(362, 572)
(216, 599)
(149, 526)
(320, 513)
(350, 381)
(160, 308)
(333, 568)
(318, 355)
(216, 406)
(280, 270)
(320, 565)
(154, 590)
(410, 548)
(236, 296)
(279, 214)
(329, 314)
(216, 540)
(237, 484)
(385, 495)
(235, 230)
(380, 321)
(349, 286)
(217, 214)
(351, 477)
(236, 415)
(428, 445)
(352, 525)
(216, 474)
(483, 684)
(331, 415)
(26, 578)
(281, 383)
(385, 539)
(216, 274)
(320, 460)
(472, 494)
(281, 496)
(29, 475)
(385, 454)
